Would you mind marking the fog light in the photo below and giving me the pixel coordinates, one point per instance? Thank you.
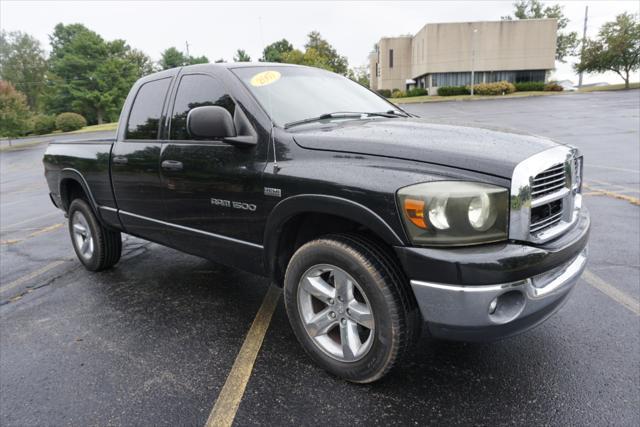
(493, 306)
(506, 307)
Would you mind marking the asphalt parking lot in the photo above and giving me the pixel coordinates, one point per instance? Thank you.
(153, 341)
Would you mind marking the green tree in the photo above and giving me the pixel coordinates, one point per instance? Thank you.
(241, 56)
(143, 63)
(14, 111)
(617, 48)
(566, 42)
(318, 53)
(274, 51)
(310, 57)
(89, 75)
(172, 58)
(329, 55)
(359, 75)
(22, 62)
(197, 60)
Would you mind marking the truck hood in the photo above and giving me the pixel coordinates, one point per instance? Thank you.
(472, 148)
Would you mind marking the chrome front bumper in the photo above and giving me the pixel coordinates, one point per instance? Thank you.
(473, 312)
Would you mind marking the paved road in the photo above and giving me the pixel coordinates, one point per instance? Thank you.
(153, 341)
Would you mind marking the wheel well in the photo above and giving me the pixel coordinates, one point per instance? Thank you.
(70, 189)
(305, 227)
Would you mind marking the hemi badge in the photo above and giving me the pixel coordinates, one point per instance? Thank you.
(273, 192)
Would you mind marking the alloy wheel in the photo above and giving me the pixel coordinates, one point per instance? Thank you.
(82, 238)
(335, 312)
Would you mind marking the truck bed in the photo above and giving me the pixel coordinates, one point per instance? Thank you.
(88, 158)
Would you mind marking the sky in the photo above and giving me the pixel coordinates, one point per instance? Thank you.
(218, 29)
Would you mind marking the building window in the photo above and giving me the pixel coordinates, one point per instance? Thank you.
(390, 58)
(530, 76)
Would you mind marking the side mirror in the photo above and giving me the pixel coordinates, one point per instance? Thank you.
(210, 122)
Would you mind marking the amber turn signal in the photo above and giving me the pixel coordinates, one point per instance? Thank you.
(414, 210)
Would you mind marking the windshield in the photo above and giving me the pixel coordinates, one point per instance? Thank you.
(290, 94)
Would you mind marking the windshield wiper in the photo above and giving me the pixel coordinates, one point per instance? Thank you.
(345, 114)
(395, 113)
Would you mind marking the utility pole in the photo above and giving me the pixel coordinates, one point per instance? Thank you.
(584, 39)
(187, 45)
(473, 57)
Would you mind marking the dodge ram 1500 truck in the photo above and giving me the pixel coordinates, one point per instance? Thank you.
(376, 223)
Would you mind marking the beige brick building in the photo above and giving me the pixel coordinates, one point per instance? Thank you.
(444, 54)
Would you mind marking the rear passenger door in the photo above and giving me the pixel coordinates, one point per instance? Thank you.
(135, 161)
(213, 191)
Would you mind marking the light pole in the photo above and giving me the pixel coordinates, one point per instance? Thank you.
(584, 40)
(473, 57)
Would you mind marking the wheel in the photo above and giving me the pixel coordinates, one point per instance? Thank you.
(350, 307)
(97, 247)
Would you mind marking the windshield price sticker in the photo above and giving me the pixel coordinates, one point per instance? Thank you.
(265, 78)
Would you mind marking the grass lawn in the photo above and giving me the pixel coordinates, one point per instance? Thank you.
(97, 128)
(610, 87)
(436, 98)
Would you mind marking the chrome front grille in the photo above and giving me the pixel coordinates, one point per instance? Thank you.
(548, 186)
(549, 181)
(545, 195)
(545, 216)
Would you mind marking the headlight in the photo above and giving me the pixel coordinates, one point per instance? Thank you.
(454, 212)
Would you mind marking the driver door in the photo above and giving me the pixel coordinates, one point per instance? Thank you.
(212, 190)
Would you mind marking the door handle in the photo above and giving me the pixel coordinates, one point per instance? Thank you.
(119, 160)
(172, 165)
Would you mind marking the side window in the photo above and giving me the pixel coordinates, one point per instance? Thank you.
(196, 90)
(144, 118)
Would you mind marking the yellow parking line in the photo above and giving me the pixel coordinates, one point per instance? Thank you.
(34, 234)
(589, 165)
(29, 220)
(226, 406)
(595, 191)
(32, 275)
(610, 185)
(612, 292)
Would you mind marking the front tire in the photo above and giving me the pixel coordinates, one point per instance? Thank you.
(349, 305)
(97, 247)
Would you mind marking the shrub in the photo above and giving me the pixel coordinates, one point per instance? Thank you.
(529, 86)
(453, 90)
(397, 93)
(418, 91)
(43, 124)
(384, 92)
(497, 88)
(553, 87)
(15, 117)
(67, 122)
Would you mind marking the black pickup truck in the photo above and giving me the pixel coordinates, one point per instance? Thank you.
(376, 223)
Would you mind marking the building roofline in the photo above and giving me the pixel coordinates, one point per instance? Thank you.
(495, 21)
(484, 22)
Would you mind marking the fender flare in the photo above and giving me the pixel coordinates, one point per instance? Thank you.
(75, 175)
(316, 203)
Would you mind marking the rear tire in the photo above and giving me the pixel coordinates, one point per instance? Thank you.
(363, 335)
(97, 247)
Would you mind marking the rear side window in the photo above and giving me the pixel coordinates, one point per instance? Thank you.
(196, 90)
(144, 119)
